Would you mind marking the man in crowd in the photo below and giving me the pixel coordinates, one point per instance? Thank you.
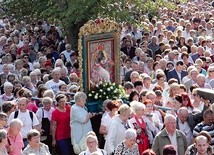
(170, 135)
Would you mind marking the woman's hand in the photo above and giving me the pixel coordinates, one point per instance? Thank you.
(10, 149)
(90, 115)
(53, 142)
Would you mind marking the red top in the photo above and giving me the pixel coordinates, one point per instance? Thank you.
(63, 130)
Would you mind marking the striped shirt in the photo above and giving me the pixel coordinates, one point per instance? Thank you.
(203, 127)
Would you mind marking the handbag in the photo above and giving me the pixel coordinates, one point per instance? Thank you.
(82, 143)
(45, 125)
(78, 148)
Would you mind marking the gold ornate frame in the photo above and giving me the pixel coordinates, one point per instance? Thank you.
(98, 31)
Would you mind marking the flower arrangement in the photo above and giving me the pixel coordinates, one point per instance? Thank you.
(106, 91)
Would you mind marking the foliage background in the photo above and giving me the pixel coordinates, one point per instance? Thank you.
(72, 14)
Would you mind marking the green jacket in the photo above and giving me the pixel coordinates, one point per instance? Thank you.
(162, 139)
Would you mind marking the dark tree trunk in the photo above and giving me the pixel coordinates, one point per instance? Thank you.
(72, 34)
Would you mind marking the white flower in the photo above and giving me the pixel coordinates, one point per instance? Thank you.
(113, 84)
(100, 96)
(104, 93)
(95, 97)
(112, 87)
(101, 90)
(89, 95)
(107, 97)
(115, 90)
(108, 89)
(92, 91)
(97, 85)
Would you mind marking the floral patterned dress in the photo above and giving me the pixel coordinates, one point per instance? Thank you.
(121, 149)
(142, 138)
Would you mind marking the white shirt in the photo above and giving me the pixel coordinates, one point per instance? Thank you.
(179, 76)
(184, 127)
(26, 120)
(47, 114)
(200, 107)
(116, 134)
(151, 87)
(106, 121)
(173, 140)
(67, 55)
(53, 85)
(87, 152)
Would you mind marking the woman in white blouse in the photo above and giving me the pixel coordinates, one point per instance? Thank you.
(44, 116)
(117, 129)
(107, 119)
(92, 145)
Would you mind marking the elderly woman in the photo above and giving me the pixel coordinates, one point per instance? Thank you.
(8, 95)
(35, 146)
(80, 122)
(138, 123)
(128, 146)
(117, 128)
(92, 145)
(15, 142)
(60, 127)
(3, 142)
(44, 117)
(26, 80)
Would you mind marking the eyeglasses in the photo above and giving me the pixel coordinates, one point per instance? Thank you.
(25, 57)
(211, 71)
(92, 142)
(194, 94)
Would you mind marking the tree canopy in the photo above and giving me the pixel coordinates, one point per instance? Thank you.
(72, 14)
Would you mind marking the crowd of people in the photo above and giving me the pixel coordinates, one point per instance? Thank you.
(164, 67)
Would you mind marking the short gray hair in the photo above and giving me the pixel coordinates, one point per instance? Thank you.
(130, 133)
(20, 100)
(15, 122)
(36, 65)
(7, 84)
(168, 117)
(46, 100)
(32, 133)
(3, 134)
(57, 69)
(49, 93)
(136, 106)
(79, 95)
(42, 59)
